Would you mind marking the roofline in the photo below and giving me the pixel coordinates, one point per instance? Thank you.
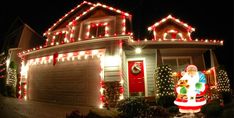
(33, 31)
(196, 42)
(190, 28)
(94, 40)
(93, 6)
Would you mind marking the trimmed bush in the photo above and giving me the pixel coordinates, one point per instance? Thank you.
(173, 109)
(102, 113)
(112, 93)
(166, 101)
(227, 97)
(75, 114)
(212, 109)
(158, 112)
(133, 107)
(228, 113)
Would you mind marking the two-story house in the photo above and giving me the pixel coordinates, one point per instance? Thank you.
(93, 43)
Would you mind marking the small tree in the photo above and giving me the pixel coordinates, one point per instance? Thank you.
(224, 85)
(164, 86)
(223, 81)
(11, 80)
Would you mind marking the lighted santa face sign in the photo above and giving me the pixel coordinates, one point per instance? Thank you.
(190, 91)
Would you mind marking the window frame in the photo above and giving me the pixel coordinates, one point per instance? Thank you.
(177, 59)
(85, 23)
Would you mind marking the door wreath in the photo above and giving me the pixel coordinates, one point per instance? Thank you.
(136, 68)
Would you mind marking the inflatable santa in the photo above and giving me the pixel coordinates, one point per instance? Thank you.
(190, 90)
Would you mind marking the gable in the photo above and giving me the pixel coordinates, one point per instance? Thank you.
(70, 16)
(172, 19)
(68, 19)
(170, 28)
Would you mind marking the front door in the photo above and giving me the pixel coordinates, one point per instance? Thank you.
(136, 78)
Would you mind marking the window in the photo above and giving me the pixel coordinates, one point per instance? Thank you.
(97, 30)
(173, 35)
(177, 63)
(58, 37)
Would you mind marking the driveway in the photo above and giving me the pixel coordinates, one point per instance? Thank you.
(15, 108)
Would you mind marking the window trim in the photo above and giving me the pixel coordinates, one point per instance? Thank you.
(106, 19)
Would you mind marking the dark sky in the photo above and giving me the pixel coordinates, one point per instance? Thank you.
(212, 19)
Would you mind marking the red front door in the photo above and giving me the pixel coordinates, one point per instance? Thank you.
(136, 78)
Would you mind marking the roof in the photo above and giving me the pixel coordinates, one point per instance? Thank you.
(169, 17)
(92, 7)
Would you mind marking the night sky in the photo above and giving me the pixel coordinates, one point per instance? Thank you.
(212, 20)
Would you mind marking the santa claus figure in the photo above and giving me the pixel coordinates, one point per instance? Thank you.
(190, 90)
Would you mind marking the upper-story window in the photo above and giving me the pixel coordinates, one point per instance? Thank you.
(172, 35)
(95, 30)
(58, 37)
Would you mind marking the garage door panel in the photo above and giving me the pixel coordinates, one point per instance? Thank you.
(68, 82)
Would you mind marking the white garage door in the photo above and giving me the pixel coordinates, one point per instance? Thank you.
(69, 82)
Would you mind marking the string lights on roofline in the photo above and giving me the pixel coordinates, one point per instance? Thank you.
(217, 42)
(85, 12)
(190, 29)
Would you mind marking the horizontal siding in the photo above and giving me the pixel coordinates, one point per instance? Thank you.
(125, 84)
(112, 73)
(150, 68)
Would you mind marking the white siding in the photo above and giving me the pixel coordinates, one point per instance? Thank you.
(125, 84)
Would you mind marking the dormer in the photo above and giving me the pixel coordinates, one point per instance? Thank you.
(171, 28)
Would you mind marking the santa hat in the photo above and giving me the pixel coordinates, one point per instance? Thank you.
(191, 67)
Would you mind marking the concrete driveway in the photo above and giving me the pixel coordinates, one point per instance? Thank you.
(15, 108)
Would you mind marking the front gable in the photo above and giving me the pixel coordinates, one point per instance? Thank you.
(76, 25)
(81, 11)
(170, 28)
(63, 22)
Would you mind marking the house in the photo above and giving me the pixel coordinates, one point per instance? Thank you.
(93, 44)
(20, 37)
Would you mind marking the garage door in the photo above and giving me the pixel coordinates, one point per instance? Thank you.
(69, 82)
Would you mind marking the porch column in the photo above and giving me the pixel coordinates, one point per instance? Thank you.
(213, 60)
(158, 58)
(214, 64)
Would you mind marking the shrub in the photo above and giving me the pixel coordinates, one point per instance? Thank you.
(158, 112)
(102, 113)
(112, 93)
(75, 114)
(173, 109)
(166, 101)
(133, 107)
(228, 113)
(212, 109)
(227, 97)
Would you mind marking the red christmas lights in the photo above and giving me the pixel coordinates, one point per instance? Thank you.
(84, 13)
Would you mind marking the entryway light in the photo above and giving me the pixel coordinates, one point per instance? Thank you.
(138, 50)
